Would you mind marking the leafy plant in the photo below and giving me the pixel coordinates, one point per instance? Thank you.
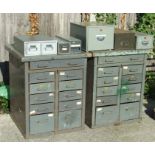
(4, 99)
(109, 18)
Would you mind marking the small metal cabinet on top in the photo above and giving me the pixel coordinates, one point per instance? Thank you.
(47, 92)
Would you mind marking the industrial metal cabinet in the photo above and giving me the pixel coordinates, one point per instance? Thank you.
(47, 92)
(115, 85)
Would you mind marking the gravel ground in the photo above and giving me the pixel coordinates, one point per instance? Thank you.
(131, 131)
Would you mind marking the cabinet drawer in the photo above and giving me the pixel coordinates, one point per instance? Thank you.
(41, 98)
(107, 81)
(41, 88)
(70, 75)
(107, 115)
(105, 91)
(132, 97)
(132, 69)
(70, 95)
(41, 123)
(41, 77)
(133, 88)
(41, 108)
(107, 100)
(133, 58)
(129, 111)
(69, 119)
(109, 60)
(57, 63)
(76, 104)
(132, 78)
(108, 71)
(70, 85)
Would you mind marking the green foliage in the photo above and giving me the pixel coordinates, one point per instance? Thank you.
(109, 18)
(3, 101)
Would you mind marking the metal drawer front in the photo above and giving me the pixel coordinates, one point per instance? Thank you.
(69, 119)
(107, 115)
(132, 97)
(70, 75)
(41, 123)
(41, 77)
(70, 95)
(133, 88)
(132, 69)
(105, 91)
(70, 85)
(132, 78)
(49, 48)
(129, 111)
(76, 104)
(100, 38)
(108, 71)
(107, 100)
(41, 88)
(57, 63)
(41, 108)
(107, 81)
(41, 98)
(133, 58)
(109, 60)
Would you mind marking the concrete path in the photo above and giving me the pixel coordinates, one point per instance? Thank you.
(133, 131)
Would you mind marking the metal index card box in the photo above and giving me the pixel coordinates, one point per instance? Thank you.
(35, 45)
(124, 40)
(94, 36)
(144, 41)
(75, 44)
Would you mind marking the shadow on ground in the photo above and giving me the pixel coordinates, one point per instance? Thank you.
(150, 108)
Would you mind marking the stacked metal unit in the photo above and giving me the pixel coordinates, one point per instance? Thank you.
(47, 91)
(115, 73)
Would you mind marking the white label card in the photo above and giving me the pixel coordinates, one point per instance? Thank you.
(51, 73)
(50, 115)
(115, 78)
(51, 94)
(100, 69)
(98, 101)
(79, 92)
(32, 112)
(125, 67)
(62, 73)
(137, 94)
(79, 103)
(99, 109)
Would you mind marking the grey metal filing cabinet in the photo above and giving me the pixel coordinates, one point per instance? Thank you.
(47, 92)
(115, 84)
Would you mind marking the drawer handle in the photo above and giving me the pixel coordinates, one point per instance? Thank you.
(100, 37)
(109, 60)
(45, 78)
(133, 70)
(67, 106)
(41, 89)
(107, 72)
(40, 100)
(70, 86)
(105, 82)
(42, 66)
(132, 79)
(145, 43)
(134, 59)
(68, 96)
(33, 48)
(42, 121)
(42, 110)
(72, 64)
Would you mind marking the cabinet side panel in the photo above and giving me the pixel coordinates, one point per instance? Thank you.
(17, 92)
(89, 91)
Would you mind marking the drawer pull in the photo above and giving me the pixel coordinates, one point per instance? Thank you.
(134, 59)
(100, 37)
(42, 66)
(133, 70)
(145, 43)
(40, 100)
(42, 121)
(105, 82)
(132, 79)
(107, 72)
(71, 64)
(70, 86)
(109, 60)
(68, 96)
(45, 78)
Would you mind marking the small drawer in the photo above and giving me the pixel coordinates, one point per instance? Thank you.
(76, 104)
(41, 98)
(107, 81)
(109, 60)
(132, 69)
(108, 71)
(107, 91)
(70, 95)
(107, 115)
(132, 78)
(133, 58)
(32, 49)
(129, 111)
(70, 85)
(57, 63)
(41, 123)
(41, 88)
(70, 119)
(41, 108)
(70, 75)
(132, 97)
(107, 100)
(133, 88)
(41, 77)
